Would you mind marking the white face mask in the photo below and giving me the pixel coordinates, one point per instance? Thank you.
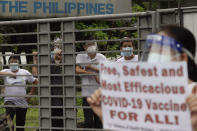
(14, 66)
(57, 50)
(92, 48)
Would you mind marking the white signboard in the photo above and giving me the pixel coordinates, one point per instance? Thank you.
(144, 96)
(58, 8)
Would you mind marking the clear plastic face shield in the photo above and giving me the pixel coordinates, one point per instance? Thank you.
(161, 48)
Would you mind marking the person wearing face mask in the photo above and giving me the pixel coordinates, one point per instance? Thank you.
(172, 43)
(56, 54)
(91, 82)
(15, 91)
(56, 82)
(126, 48)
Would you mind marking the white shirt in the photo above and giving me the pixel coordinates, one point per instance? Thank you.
(16, 86)
(122, 59)
(89, 84)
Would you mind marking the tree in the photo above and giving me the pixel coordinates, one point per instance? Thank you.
(157, 4)
(187, 3)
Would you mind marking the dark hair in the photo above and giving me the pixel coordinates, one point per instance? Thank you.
(125, 39)
(13, 57)
(187, 39)
(89, 39)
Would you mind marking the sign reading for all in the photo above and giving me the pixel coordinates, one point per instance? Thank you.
(144, 96)
(56, 8)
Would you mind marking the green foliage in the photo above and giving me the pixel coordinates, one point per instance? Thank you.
(97, 35)
(87, 31)
(138, 8)
(32, 118)
(79, 102)
(91, 30)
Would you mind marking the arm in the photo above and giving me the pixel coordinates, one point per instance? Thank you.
(79, 70)
(35, 73)
(7, 74)
(35, 61)
(33, 90)
(92, 68)
(4, 73)
(95, 103)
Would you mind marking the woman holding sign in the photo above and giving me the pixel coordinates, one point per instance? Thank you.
(172, 43)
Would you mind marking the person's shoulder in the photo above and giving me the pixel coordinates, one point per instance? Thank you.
(135, 58)
(81, 55)
(121, 59)
(5, 70)
(81, 58)
(99, 55)
(24, 71)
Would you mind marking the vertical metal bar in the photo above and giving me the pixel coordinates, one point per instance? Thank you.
(69, 79)
(139, 36)
(63, 70)
(49, 71)
(153, 22)
(45, 74)
(38, 66)
(74, 76)
(158, 20)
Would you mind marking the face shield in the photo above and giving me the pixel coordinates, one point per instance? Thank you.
(161, 49)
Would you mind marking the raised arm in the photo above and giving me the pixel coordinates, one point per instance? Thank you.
(35, 61)
(95, 103)
(79, 70)
(7, 74)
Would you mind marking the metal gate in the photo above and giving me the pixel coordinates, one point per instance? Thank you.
(37, 34)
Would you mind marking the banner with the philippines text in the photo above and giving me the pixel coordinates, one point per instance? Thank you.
(61, 8)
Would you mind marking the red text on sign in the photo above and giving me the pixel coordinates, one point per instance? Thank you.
(131, 116)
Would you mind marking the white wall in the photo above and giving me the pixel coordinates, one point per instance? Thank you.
(22, 57)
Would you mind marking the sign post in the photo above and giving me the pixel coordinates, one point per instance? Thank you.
(61, 8)
(144, 96)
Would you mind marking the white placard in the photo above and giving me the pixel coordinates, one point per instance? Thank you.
(144, 96)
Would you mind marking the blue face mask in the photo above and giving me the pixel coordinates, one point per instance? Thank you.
(14, 66)
(128, 51)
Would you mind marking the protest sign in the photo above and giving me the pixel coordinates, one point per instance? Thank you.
(145, 96)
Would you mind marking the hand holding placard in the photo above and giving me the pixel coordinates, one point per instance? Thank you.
(144, 96)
